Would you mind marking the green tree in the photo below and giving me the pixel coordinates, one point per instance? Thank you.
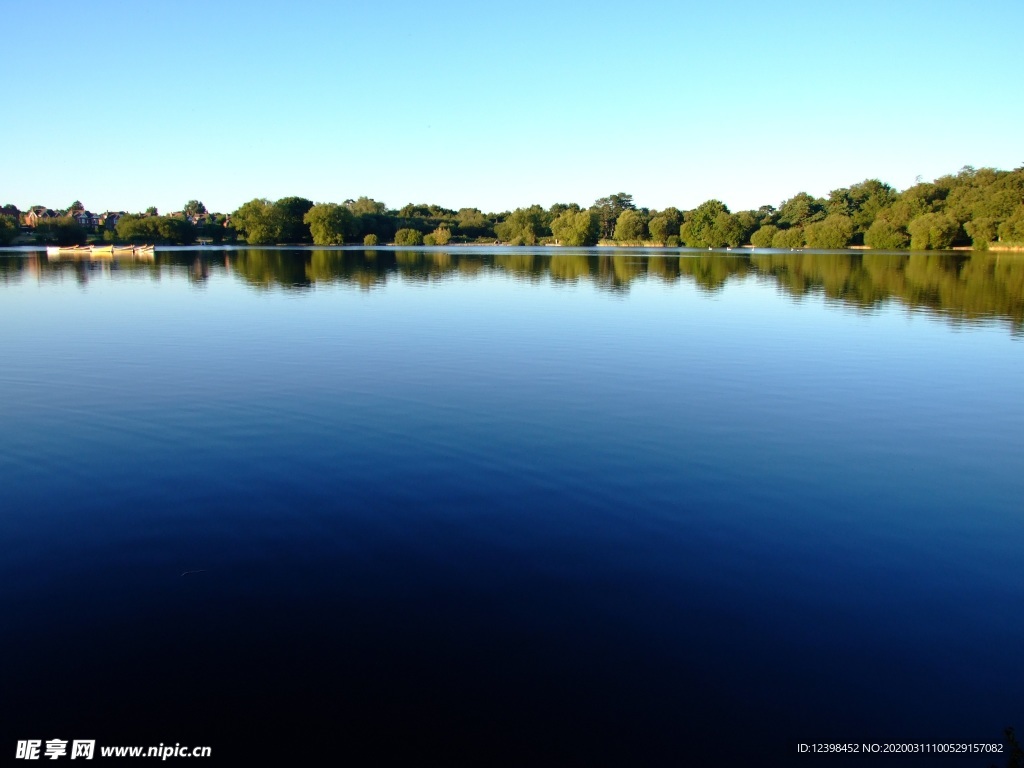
(367, 206)
(836, 231)
(630, 227)
(767, 214)
(60, 231)
(576, 228)
(174, 231)
(982, 232)
(934, 231)
(1012, 230)
(329, 223)
(762, 238)
(789, 238)
(152, 211)
(608, 210)
(133, 229)
(442, 235)
(801, 209)
(370, 239)
(8, 229)
(557, 209)
(673, 219)
(886, 236)
(258, 222)
(861, 203)
(923, 198)
(408, 237)
(748, 222)
(291, 213)
(412, 211)
(697, 230)
(524, 226)
(212, 231)
(658, 229)
(194, 208)
(728, 230)
(472, 223)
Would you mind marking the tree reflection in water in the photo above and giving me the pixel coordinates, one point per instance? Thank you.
(960, 286)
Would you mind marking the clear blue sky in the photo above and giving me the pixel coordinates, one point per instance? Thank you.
(125, 105)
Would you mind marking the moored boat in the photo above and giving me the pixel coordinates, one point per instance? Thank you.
(54, 250)
(100, 250)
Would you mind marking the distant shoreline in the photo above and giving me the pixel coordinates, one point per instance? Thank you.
(27, 249)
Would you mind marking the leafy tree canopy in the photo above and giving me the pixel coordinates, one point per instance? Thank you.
(836, 231)
(658, 228)
(673, 218)
(762, 238)
(60, 231)
(608, 210)
(801, 209)
(291, 212)
(630, 227)
(576, 228)
(329, 223)
(883, 234)
(932, 231)
(728, 230)
(408, 237)
(8, 229)
(412, 211)
(789, 238)
(366, 206)
(698, 229)
(558, 209)
(194, 208)
(1012, 230)
(258, 222)
(155, 229)
(524, 226)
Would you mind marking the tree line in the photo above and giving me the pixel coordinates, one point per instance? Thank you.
(974, 207)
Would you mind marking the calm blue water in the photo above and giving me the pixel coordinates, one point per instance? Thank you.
(502, 507)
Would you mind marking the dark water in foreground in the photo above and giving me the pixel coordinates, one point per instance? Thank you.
(488, 507)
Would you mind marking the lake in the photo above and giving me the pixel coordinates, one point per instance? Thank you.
(513, 506)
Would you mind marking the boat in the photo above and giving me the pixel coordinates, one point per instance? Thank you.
(56, 250)
(128, 250)
(100, 250)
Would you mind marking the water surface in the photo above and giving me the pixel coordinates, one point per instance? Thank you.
(511, 505)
